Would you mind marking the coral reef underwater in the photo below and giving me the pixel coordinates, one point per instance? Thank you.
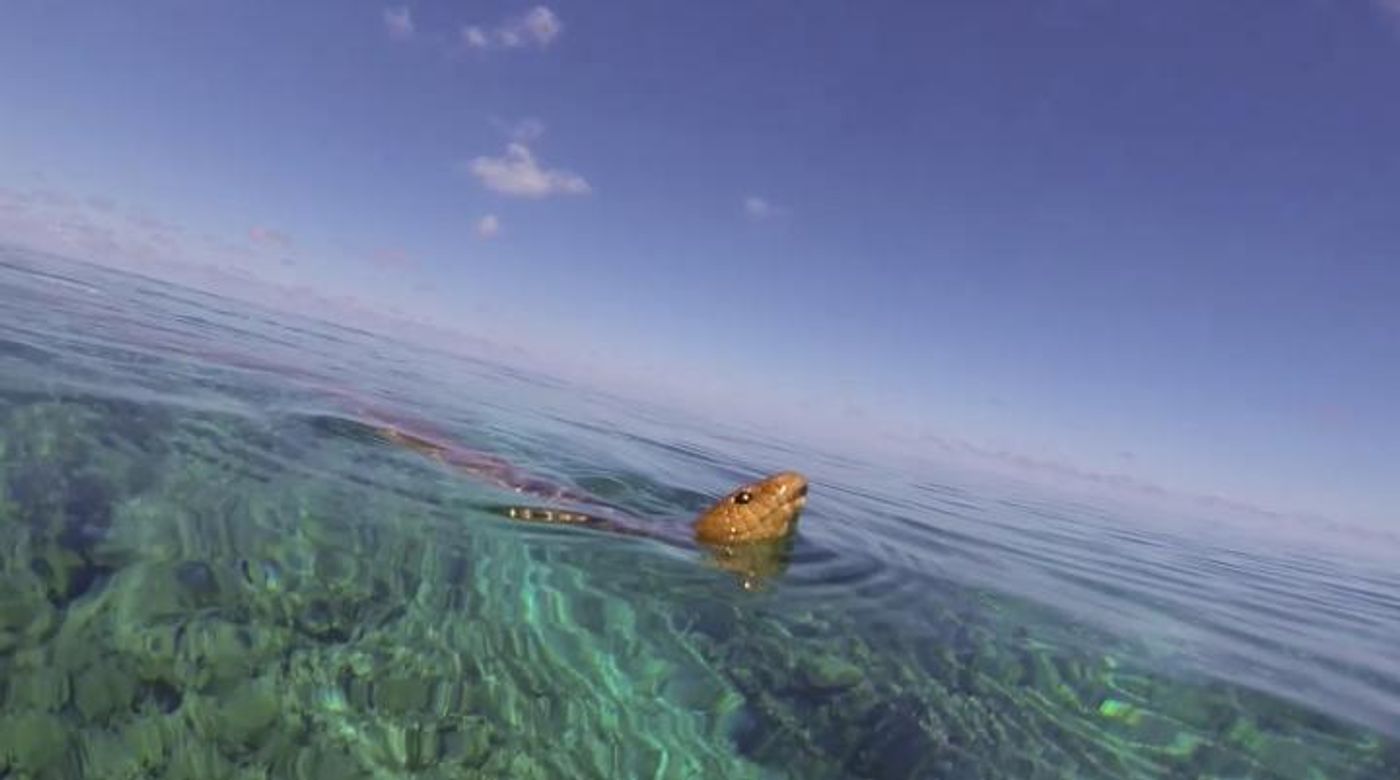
(186, 594)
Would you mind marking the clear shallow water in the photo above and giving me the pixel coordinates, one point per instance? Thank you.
(210, 570)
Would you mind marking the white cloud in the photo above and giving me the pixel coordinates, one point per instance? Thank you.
(519, 174)
(488, 226)
(1389, 11)
(541, 25)
(398, 22)
(475, 37)
(269, 237)
(759, 208)
(538, 27)
(86, 229)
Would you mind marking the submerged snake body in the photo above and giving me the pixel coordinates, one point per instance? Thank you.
(745, 532)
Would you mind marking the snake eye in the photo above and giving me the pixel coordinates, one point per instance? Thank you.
(743, 497)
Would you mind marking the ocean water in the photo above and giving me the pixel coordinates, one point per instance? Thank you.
(212, 568)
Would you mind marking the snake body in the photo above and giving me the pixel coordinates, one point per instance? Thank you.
(746, 532)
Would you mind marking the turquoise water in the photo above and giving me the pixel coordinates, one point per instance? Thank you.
(213, 569)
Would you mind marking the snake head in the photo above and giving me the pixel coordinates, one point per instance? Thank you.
(763, 511)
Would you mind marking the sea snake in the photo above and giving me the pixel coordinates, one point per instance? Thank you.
(747, 532)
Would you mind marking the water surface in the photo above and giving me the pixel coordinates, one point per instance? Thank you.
(212, 569)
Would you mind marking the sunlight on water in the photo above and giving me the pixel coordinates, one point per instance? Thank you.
(213, 569)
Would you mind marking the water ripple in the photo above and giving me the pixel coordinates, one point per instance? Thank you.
(974, 578)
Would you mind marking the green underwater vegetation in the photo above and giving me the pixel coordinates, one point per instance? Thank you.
(191, 594)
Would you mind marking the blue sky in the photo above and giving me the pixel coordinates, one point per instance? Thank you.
(1155, 239)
